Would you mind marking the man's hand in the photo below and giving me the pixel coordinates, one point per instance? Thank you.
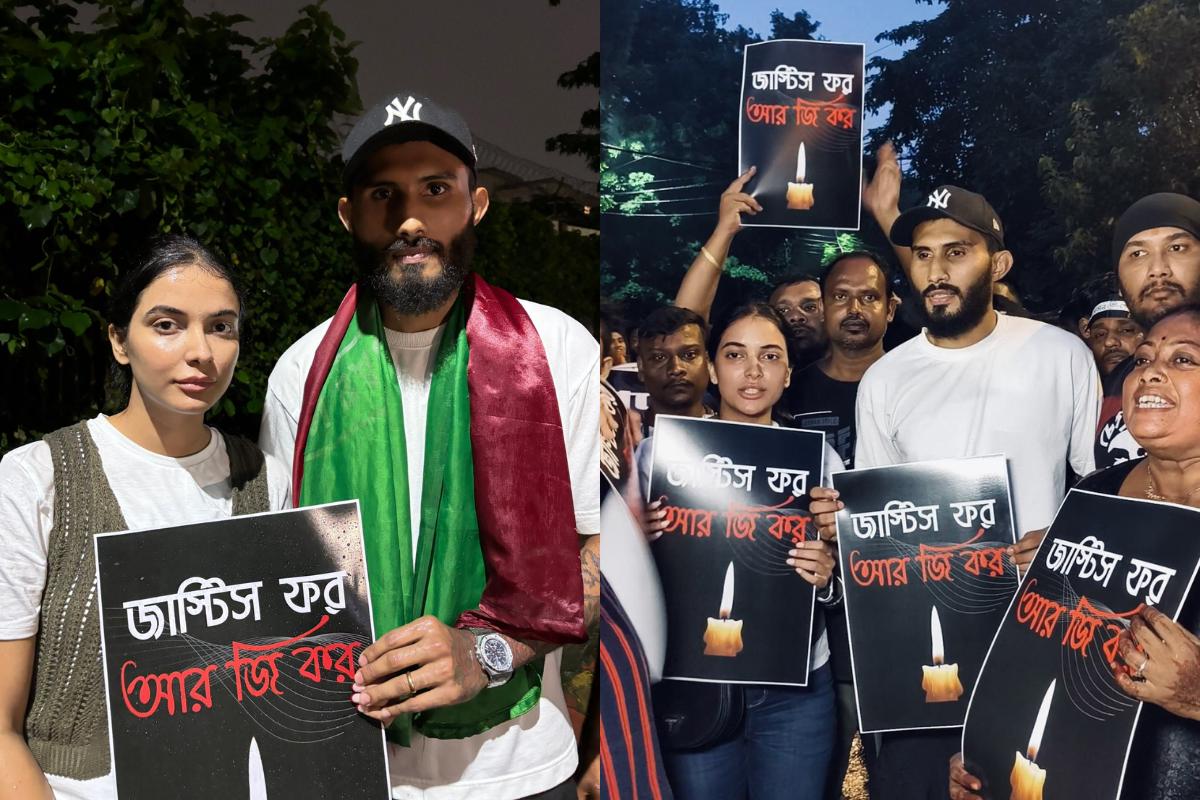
(882, 195)
(419, 666)
(588, 786)
(1025, 549)
(734, 203)
(824, 506)
(963, 784)
(814, 561)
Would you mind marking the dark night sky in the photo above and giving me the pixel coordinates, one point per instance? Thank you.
(497, 63)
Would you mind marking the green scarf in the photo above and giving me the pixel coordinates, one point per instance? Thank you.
(356, 449)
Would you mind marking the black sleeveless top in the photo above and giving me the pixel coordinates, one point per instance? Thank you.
(1164, 762)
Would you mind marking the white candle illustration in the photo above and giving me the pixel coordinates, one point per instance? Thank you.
(723, 636)
(1027, 778)
(800, 194)
(940, 681)
(258, 780)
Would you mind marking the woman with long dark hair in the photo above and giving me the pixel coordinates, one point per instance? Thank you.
(174, 328)
(783, 746)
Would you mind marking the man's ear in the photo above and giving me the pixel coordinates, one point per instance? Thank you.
(344, 212)
(712, 374)
(893, 304)
(117, 342)
(480, 200)
(1001, 263)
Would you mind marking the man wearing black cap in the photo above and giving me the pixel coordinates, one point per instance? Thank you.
(1156, 253)
(973, 383)
(408, 400)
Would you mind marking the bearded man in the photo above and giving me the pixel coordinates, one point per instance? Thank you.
(973, 383)
(466, 424)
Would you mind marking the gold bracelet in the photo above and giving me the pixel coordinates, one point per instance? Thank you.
(709, 256)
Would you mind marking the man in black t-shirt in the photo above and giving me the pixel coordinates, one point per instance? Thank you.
(858, 305)
(1156, 253)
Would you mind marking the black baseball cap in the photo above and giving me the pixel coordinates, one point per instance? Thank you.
(949, 202)
(1161, 210)
(406, 117)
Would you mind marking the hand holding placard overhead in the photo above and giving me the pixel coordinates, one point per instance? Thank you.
(800, 123)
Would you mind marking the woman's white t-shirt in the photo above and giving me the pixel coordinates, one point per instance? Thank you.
(153, 491)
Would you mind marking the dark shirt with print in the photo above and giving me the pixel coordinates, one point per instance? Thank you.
(820, 403)
(1114, 443)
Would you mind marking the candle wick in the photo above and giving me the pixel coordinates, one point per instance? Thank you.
(1031, 753)
(723, 614)
(938, 661)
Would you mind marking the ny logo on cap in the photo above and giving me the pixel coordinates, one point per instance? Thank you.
(395, 110)
(996, 224)
(939, 199)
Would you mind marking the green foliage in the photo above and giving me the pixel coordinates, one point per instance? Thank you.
(1061, 113)
(536, 258)
(154, 120)
(1134, 132)
(586, 140)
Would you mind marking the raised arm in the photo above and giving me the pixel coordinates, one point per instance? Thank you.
(881, 196)
(699, 285)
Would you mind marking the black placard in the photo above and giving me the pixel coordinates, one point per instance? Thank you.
(1058, 636)
(915, 541)
(736, 499)
(797, 93)
(226, 675)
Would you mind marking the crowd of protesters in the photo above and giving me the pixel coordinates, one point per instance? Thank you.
(1063, 397)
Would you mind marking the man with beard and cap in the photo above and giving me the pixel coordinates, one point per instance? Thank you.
(797, 298)
(973, 383)
(466, 423)
(1156, 253)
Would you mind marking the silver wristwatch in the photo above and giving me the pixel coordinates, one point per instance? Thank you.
(494, 656)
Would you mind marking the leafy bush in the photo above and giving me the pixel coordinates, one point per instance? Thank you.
(154, 120)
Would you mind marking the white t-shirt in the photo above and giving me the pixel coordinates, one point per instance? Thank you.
(1027, 390)
(536, 751)
(152, 490)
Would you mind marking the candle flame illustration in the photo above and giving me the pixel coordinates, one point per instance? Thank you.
(727, 594)
(935, 633)
(800, 170)
(1039, 727)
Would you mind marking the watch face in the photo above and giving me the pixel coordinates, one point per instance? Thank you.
(495, 654)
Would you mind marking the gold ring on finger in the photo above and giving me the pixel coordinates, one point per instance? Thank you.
(411, 689)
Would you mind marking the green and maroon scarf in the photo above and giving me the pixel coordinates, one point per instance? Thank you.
(497, 546)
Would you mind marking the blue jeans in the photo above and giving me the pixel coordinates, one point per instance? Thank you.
(782, 751)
